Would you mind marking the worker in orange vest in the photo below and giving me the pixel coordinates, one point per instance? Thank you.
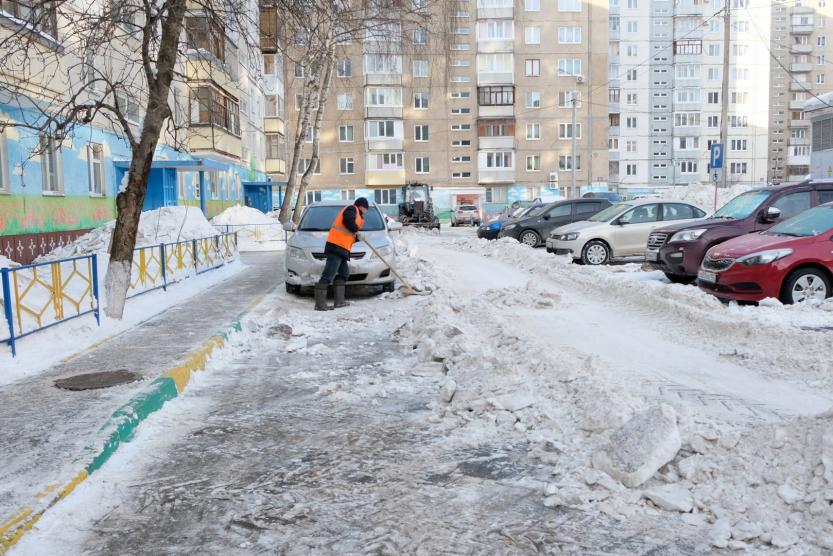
(343, 234)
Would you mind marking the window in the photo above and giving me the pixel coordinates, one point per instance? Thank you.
(496, 128)
(421, 101)
(460, 111)
(385, 196)
(564, 162)
(631, 75)
(820, 78)
(203, 33)
(347, 166)
(299, 101)
(460, 127)
(382, 63)
(499, 159)
(686, 118)
(588, 208)
(569, 35)
(420, 36)
(501, 95)
(421, 133)
(821, 41)
(299, 70)
(420, 68)
(533, 132)
(613, 143)
(385, 161)
(344, 68)
(533, 99)
(532, 35)
(460, 175)
(688, 46)
(348, 194)
(632, 26)
(714, 50)
(738, 121)
(532, 68)
(713, 121)
(679, 211)
(422, 165)
(631, 146)
(532, 5)
(714, 74)
(739, 144)
(384, 96)
(461, 143)
(380, 128)
(820, 61)
(688, 143)
(792, 204)
(345, 101)
(211, 107)
(630, 122)
(495, 30)
(533, 163)
(303, 164)
(565, 131)
(630, 169)
(460, 159)
(825, 196)
(714, 97)
(95, 169)
(132, 109)
(631, 51)
(688, 71)
(345, 133)
(565, 99)
(643, 214)
(740, 74)
(688, 167)
(569, 67)
(569, 5)
(51, 163)
(496, 195)
(688, 94)
(460, 94)
(737, 168)
(312, 197)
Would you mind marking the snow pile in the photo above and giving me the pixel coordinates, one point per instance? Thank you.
(239, 215)
(6, 263)
(163, 225)
(702, 195)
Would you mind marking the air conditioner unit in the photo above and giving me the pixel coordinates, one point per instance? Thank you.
(553, 177)
(579, 79)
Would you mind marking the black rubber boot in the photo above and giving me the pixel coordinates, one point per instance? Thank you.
(321, 298)
(339, 289)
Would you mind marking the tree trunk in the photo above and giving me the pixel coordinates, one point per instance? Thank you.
(129, 202)
(300, 134)
(323, 96)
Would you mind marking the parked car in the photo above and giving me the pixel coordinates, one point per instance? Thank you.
(618, 232)
(678, 250)
(466, 214)
(305, 256)
(534, 229)
(611, 196)
(792, 261)
(491, 229)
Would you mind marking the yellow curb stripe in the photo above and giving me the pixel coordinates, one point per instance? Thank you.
(181, 374)
(12, 522)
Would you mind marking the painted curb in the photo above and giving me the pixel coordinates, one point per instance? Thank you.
(122, 424)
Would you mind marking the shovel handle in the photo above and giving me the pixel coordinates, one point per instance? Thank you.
(390, 266)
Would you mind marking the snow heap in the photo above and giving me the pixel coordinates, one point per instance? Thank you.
(702, 195)
(239, 215)
(6, 263)
(163, 225)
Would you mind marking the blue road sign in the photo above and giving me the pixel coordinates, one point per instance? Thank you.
(717, 156)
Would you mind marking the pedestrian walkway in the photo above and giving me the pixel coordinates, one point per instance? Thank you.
(45, 431)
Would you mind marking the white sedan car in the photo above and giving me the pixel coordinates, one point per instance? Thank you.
(305, 256)
(620, 231)
(466, 214)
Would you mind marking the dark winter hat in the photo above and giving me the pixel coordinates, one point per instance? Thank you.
(361, 202)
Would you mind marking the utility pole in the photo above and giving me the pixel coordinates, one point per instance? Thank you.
(573, 154)
(724, 94)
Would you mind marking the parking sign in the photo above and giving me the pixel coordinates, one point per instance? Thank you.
(717, 156)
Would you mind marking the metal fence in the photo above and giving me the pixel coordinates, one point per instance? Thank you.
(249, 234)
(39, 296)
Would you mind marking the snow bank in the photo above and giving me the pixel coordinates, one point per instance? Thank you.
(164, 225)
(6, 263)
(702, 195)
(239, 215)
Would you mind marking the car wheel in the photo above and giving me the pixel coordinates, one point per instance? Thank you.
(294, 289)
(529, 237)
(595, 253)
(679, 278)
(805, 284)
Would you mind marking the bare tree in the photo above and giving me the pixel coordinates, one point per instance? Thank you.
(114, 65)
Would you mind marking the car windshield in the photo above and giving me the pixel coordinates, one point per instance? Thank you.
(321, 218)
(534, 211)
(742, 206)
(809, 223)
(609, 213)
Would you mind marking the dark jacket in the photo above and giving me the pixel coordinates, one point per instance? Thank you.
(349, 220)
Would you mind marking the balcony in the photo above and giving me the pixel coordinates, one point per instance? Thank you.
(797, 104)
(494, 143)
(496, 111)
(507, 12)
(487, 46)
(613, 155)
(801, 49)
(492, 175)
(268, 28)
(383, 79)
(800, 123)
(202, 138)
(801, 68)
(386, 144)
(802, 10)
(275, 166)
(383, 112)
(496, 78)
(274, 124)
(801, 29)
(614, 130)
(799, 141)
(204, 66)
(798, 160)
(800, 86)
(385, 177)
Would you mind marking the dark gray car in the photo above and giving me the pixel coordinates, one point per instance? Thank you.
(534, 229)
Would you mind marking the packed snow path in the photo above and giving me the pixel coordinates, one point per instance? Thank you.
(463, 423)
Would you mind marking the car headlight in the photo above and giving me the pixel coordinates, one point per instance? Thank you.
(572, 236)
(689, 235)
(764, 257)
(385, 250)
(297, 253)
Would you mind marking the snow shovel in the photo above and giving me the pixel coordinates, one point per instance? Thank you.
(406, 288)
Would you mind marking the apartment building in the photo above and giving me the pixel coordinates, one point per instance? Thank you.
(479, 105)
(802, 46)
(214, 158)
(666, 74)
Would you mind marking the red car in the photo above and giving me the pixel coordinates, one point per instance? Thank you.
(792, 261)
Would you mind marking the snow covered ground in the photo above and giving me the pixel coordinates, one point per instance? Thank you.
(256, 231)
(505, 413)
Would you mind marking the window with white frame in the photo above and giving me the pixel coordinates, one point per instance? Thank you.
(421, 101)
(345, 101)
(569, 35)
(496, 195)
(532, 5)
(95, 168)
(532, 35)
(532, 67)
(345, 134)
(533, 99)
(382, 64)
(713, 97)
(460, 127)
(688, 94)
(739, 144)
(571, 66)
(565, 131)
(632, 4)
(565, 162)
(613, 143)
(738, 121)
(422, 165)
(381, 129)
(687, 71)
(688, 143)
(385, 161)
(495, 30)
(312, 197)
(713, 74)
(420, 68)
(460, 111)
(686, 118)
(385, 196)
(688, 167)
(347, 166)
(420, 36)
(631, 146)
(383, 96)
(737, 168)
(713, 121)
(421, 132)
(344, 68)
(569, 5)
(348, 194)
(460, 159)
(460, 175)
(630, 169)
(533, 131)
(303, 164)
(533, 163)
(497, 159)
(460, 94)
(631, 51)
(461, 143)
(631, 99)
(633, 26)
(631, 75)
(714, 49)
(819, 78)
(630, 122)
(50, 149)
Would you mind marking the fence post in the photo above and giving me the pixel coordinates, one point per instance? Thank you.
(95, 289)
(7, 308)
(196, 256)
(164, 265)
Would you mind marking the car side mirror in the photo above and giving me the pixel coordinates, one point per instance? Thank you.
(621, 222)
(288, 226)
(771, 214)
(546, 217)
(394, 226)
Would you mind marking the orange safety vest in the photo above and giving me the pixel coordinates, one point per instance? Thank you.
(339, 234)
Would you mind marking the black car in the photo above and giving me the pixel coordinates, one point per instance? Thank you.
(609, 195)
(533, 229)
(491, 229)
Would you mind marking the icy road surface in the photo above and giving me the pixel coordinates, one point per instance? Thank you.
(465, 423)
